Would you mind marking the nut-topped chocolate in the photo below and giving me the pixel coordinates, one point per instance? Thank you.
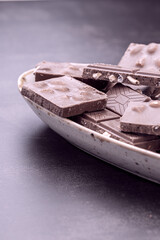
(125, 74)
(146, 58)
(105, 73)
(45, 70)
(142, 118)
(65, 96)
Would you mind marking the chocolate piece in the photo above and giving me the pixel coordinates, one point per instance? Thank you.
(46, 70)
(146, 58)
(111, 128)
(101, 115)
(142, 118)
(123, 74)
(65, 96)
(93, 119)
(119, 97)
(104, 72)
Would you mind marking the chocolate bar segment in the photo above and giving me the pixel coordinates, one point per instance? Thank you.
(146, 58)
(120, 96)
(65, 96)
(111, 128)
(46, 70)
(95, 72)
(142, 118)
(101, 115)
(123, 74)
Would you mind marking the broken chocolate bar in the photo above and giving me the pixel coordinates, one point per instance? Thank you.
(101, 115)
(110, 127)
(123, 74)
(65, 96)
(119, 97)
(142, 118)
(146, 58)
(97, 72)
(46, 70)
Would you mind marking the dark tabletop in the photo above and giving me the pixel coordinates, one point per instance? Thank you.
(49, 189)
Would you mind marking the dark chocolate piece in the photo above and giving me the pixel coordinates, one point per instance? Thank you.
(123, 74)
(111, 128)
(142, 118)
(65, 96)
(119, 97)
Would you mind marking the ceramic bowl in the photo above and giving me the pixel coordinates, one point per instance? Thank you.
(141, 162)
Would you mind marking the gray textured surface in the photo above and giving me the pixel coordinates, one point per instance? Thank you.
(48, 188)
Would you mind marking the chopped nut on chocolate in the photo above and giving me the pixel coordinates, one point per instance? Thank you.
(79, 97)
(145, 120)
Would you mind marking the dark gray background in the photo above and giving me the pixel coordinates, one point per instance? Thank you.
(48, 188)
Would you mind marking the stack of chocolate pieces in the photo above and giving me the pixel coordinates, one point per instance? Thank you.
(119, 101)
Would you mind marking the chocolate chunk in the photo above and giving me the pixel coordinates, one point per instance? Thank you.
(114, 74)
(111, 128)
(65, 96)
(46, 70)
(144, 57)
(101, 115)
(96, 74)
(120, 96)
(147, 60)
(93, 119)
(142, 117)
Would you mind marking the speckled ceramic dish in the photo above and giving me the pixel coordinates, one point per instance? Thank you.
(138, 161)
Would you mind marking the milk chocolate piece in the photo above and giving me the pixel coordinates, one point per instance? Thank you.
(146, 58)
(46, 70)
(111, 128)
(120, 96)
(93, 119)
(105, 73)
(65, 96)
(142, 118)
(101, 115)
(123, 74)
